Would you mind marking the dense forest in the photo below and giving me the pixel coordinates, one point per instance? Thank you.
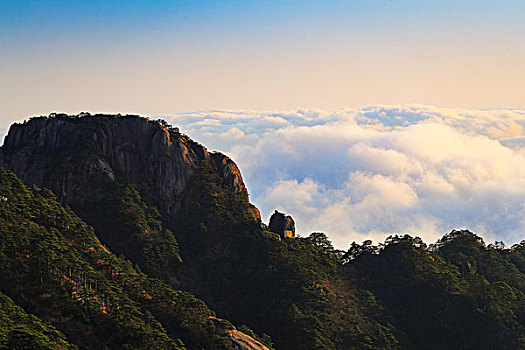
(117, 271)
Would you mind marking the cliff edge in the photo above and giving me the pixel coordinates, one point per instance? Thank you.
(69, 154)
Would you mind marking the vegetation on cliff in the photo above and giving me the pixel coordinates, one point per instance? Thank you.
(19, 330)
(54, 267)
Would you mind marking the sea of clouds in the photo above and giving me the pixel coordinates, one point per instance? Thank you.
(359, 174)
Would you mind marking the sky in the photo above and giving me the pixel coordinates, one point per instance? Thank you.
(307, 67)
(160, 57)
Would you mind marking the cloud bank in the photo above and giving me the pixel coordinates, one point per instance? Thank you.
(367, 173)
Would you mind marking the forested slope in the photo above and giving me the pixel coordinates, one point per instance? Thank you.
(53, 266)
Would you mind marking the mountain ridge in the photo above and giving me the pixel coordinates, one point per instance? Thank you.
(129, 145)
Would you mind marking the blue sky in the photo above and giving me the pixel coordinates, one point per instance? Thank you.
(26, 22)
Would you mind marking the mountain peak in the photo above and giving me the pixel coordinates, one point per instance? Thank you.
(65, 153)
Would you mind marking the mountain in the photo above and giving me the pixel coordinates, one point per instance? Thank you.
(103, 166)
(66, 153)
(134, 236)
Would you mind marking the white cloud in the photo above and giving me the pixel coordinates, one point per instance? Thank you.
(366, 173)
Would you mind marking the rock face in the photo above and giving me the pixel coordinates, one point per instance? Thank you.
(241, 341)
(67, 154)
(282, 225)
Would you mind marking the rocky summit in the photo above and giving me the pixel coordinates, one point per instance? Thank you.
(66, 153)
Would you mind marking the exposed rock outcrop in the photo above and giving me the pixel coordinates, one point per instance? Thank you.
(241, 341)
(68, 153)
(282, 225)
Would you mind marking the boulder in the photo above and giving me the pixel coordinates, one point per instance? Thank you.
(282, 225)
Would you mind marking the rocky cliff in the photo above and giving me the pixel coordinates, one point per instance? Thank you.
(68, 154)
(241, 341)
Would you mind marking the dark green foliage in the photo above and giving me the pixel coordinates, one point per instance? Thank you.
(53, 266)
(18, 330)
(130, 227)
(436, 298)
(496, 283)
